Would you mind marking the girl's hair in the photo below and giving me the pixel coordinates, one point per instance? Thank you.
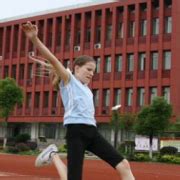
(82, 60)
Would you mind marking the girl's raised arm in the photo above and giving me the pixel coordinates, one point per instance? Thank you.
(31, 32)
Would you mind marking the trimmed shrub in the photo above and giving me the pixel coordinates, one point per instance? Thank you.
(12, 149)
(22, 138)
(168, 150)
(22, 147)
(62, 148)
(11, 141)
(1, 141)
(170, 159)
(32, 145)
(141, 157)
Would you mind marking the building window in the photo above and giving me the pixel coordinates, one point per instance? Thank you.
(155, 26)
(13, 73)
(46, 99)
(118, 63)
(58, 32)
(143, 27)
(166, 94)
(37, 100)
(78, 37)
(109, 32)
(98, 64)
(129, 96)
(106, 97)
(68, 37)
(49, 32)
(117, 96)
(88, 34)
(107, 67)
(168, 25)
(154, 61)
(98, 34)
(142, 61)
(96, 97)
(6, 71)
(47, 130)
(30, 71)
(21, 71)
(141, 96)
(167, 60)
(131, 28)
(120, 33)
(54, 99)
(28, 100)
(130, 62)
(153, 93)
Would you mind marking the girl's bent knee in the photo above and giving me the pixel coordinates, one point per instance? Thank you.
(124, 170)
(123, 165)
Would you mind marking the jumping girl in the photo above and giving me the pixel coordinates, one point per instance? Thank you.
(79, 117)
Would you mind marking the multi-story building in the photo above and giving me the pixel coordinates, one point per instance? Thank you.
(136, 47)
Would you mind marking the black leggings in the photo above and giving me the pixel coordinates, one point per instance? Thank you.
(81, 137)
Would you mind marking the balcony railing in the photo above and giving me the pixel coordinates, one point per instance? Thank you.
(141, 74)
(54, 111)
(130, 40)
(29, 82)
(167, 37)
(108, 43)
(166, 73)
(129, 76)
(105, 110)
(45, 111)
(153, 74)
(106, 76)
(142, 39)
(154, 38)
(28, 111)
(96, 77)
(117, 75)
(87, 45)
(19, 111)
(128, 108)
(119, 42)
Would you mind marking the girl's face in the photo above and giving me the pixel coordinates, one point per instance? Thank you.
(85, 73)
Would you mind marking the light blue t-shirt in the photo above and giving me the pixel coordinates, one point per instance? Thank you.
(78, 102)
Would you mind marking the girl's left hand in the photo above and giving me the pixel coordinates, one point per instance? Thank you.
(30, 30)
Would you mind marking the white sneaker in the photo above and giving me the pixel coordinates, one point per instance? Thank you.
(44, 158)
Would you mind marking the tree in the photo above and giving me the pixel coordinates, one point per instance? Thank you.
(121, 121)
(10, 95)
(115, 124)
(153, 119)
(127, 122)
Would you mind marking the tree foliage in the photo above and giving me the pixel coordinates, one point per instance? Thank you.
(127, 121)
(154, 118)
(121, 121)
(10, 95)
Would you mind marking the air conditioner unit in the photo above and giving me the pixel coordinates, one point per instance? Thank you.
(97, 46)
(1, 58)
(31, 53)
(77, 48)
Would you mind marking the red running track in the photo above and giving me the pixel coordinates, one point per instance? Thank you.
(22, 168)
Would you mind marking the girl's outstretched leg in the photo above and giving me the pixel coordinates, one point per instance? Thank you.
(49, 156)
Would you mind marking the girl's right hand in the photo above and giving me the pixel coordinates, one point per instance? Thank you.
(30, 30)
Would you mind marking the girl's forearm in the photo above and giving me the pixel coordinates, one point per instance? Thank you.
(45, 52)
